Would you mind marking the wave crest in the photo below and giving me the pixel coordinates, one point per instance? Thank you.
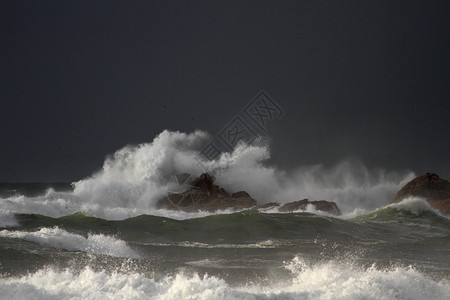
(326, 281)
(59, 238)
(134, 178)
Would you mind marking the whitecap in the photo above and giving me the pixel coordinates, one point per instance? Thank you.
(325, 281)
(62, 239)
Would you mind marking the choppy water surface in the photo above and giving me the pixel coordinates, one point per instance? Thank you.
(400, 251)
(102, 238)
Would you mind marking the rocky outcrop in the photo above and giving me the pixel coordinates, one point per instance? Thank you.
(202, 194)
(240, 194)
(196, 194)
(442, 205)
(435, 190)
(322, 205)
(268, 206)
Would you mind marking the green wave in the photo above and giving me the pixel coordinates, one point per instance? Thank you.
(252, 226)
(394, 214)
(246, 225)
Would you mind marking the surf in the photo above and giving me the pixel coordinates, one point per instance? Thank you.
(62, 239)
(329, 280)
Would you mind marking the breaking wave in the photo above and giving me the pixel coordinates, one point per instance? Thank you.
(324, 281)
(134, 178)
(61, 239)
(409, 208)
(7, 219)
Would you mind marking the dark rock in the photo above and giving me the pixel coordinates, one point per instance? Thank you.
(429, 186)
(269, 205)
(203, 194)
(296, 205)
(322, 205)
(435, 190)
(240, 194)
(327, 206)
(442, 205)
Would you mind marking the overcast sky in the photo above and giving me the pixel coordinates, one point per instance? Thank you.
(355, 79)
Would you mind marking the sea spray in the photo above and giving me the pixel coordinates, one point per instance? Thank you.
(415, 206)
(61, 239)
(345, 280)
(135, 178)
(7, 219)
(122, 246)
(324, 281)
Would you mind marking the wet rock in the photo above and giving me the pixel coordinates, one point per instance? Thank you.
(435, 190)
(202, 194)
(240, 194)
(322, 205)
(270, 205)
(442, 205)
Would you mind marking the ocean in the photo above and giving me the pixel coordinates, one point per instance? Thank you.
(103, 238)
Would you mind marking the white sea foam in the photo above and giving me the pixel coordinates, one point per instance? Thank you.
(187, 244)
(415, 205)
(333, 280)
(7, 219)
(326, 281)
(59, 238)
(63, 204)
(133, 179)
(138, 176)
(52, 204)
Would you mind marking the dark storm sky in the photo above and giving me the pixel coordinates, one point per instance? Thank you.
(356, 79)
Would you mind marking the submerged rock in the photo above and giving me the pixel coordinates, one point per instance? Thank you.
(435, 190)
